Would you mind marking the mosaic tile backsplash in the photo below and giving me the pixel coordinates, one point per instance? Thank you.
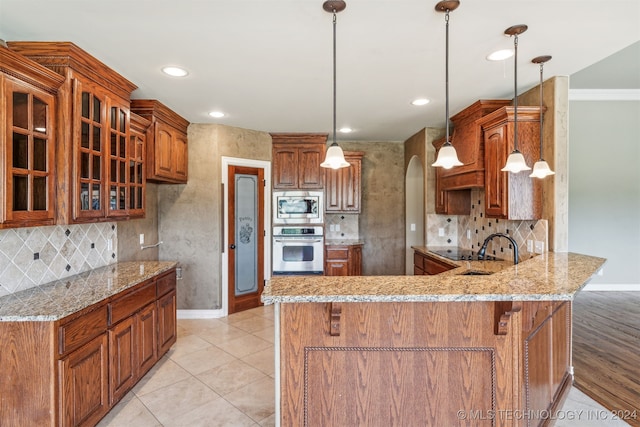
(477, 227)
(34, 256)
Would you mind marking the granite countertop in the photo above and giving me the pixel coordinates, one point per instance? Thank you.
(343, 242)
(550, 276)
(66, 296)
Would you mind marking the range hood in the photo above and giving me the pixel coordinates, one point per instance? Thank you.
(468, 140)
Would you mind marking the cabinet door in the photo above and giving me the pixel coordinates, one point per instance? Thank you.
(147, 341)
(351, 186)
(336, 268)
(495, 180)
(30, 151)
(310, 174)
(285, 167)
(333, 190)
(122, 358)
(84, 384)
(90, 130)
(163, 141)
(117, 155)
(355, 261)
(167, 326)
(136, 173)
(181, 158)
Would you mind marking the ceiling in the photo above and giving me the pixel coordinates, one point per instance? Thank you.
(268, 65)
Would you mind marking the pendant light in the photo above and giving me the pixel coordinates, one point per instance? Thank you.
(541, 168)
(335, 157)
(447, 156)
(515, 161)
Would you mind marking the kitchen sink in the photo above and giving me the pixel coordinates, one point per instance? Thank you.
(475, 273)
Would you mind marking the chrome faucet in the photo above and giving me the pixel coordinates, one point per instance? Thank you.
(483, 249)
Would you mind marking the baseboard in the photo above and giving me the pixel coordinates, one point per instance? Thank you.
(199, 314)
(612, 287)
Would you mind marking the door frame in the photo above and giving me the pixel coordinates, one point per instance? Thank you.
(263, 164)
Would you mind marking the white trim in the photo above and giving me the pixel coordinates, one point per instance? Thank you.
(604, 95)
(266, 165)
(612, 287)
(199, 314)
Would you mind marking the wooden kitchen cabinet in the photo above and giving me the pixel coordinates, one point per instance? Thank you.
(136, 166)
(426, 264)
(167, 145)
(27, 141)
(453, 194)
(343, 260)
(513, 196)
(343, 186)
(72, 371)
(296, 160)
(93, 104)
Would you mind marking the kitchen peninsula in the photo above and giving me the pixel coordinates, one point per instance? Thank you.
(447, 349)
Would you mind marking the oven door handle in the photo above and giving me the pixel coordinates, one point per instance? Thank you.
(298, 240)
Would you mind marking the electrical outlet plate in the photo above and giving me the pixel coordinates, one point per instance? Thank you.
(109, 244)
(413, 227)
(530, 246)
(142, 239)
(440, 232)
(539, 247)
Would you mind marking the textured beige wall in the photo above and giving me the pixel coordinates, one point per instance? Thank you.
(189, 216)
(382, 218)
(129, 231)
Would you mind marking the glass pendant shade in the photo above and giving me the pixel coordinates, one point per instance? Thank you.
(447, 157)
(515, 163)
(334, 158)
(541, 169)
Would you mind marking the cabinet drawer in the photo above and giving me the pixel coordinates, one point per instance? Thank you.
(129, 304)
(338, 253)
(166, 283)
(79, 331)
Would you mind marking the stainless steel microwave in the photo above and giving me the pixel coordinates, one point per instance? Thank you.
(298, 207)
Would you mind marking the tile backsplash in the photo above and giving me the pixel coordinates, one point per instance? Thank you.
(341, 226)
(34, 256)
(478, 228)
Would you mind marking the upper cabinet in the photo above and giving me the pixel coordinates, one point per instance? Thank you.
(93, 113)
(167, 150)
(452, 185)
(508, 195)
(136, 167)
(27, 141)
(296, 160)
(343, 186)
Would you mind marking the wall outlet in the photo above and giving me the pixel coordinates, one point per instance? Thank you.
(539, 247)
(413, 227)
(332, 227)
(109, 244)
(468, 234)
(142, 239)
(337, 227)
(530, 246)
(440, 232)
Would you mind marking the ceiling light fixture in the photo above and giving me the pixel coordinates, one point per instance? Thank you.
(175, 71)
(500, 55)
(216, 114)
(515, 162)
(541, 168)
(335, 157)
(346, 130)
(420, 101)
(447, 156)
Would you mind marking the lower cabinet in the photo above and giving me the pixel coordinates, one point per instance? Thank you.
(425, 264)
(72, 371)
(343, 260)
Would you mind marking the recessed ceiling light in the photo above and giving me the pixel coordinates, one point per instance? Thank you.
(420, 101)
(500, 55)
(216, 114)
(175, 71)
(346, 130)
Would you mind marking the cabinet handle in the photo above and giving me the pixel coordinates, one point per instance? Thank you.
(232, 246)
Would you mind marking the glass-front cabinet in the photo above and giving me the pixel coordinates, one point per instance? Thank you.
(27, 125)
(95, 182)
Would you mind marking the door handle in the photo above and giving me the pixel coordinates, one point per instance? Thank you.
(232, 246)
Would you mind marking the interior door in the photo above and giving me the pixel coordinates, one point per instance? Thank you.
(246, 237)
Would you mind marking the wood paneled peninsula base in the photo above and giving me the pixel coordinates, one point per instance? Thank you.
(439, 350)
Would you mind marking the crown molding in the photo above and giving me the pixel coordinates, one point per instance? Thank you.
(604, 94)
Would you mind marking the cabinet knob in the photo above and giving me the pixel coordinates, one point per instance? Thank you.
(232, 246)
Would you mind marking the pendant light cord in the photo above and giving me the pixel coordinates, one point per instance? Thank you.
(446, 77)
(515, 92)
(334, 76)
(541, 115)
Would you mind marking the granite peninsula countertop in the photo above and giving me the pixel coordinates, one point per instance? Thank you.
(550, 276)
(58, 299)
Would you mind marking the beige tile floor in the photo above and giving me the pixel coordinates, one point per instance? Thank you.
(221, 373)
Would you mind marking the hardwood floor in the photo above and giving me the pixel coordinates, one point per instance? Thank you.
(606, 350)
